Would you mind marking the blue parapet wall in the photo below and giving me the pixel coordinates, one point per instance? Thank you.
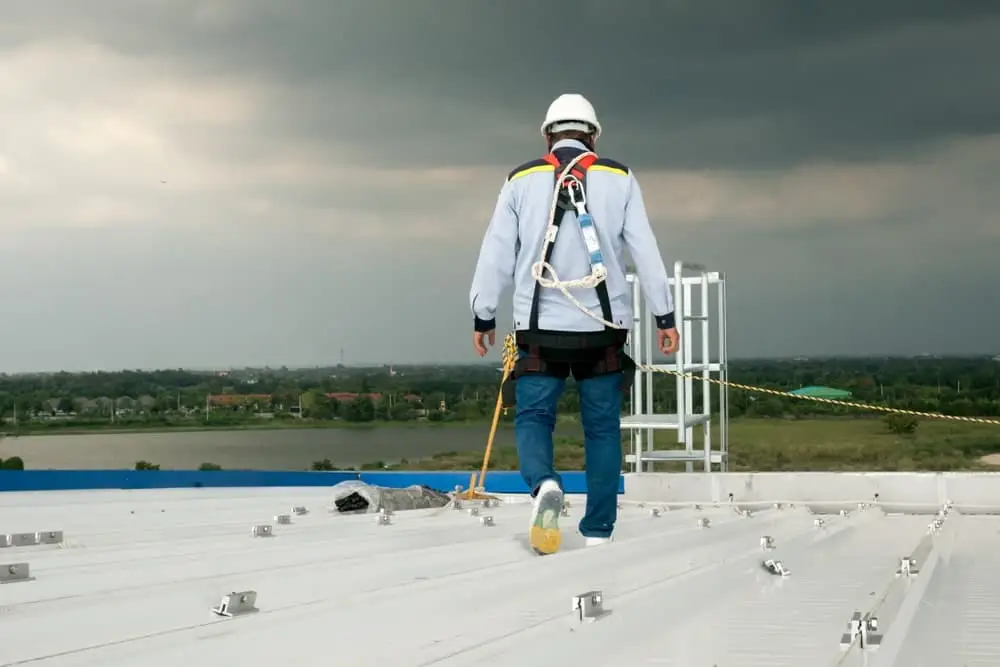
(78, 480)
(503, 481)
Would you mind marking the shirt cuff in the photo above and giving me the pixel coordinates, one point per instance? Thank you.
(666, 321)
(482, 326)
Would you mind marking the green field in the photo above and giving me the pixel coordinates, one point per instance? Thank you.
(786, 444)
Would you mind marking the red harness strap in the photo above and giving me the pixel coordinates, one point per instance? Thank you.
(579, 170)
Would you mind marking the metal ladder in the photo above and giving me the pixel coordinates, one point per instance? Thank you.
(696, 331)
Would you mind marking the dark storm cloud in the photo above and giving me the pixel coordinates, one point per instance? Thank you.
(343, 156)
(682, 84)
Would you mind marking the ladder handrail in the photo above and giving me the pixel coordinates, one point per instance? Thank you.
(681, 308)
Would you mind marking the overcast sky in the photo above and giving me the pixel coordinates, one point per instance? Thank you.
(207, 183)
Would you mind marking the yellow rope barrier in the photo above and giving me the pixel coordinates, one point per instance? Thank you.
(828, 401)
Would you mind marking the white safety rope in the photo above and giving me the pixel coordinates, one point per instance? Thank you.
(598, 272)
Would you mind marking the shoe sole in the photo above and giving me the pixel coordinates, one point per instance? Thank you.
(544, 534)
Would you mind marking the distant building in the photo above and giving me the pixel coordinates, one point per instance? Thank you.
(238, 400)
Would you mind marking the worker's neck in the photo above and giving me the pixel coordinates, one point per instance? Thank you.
(570, 143)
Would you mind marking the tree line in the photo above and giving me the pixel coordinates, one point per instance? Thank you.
(956, 386)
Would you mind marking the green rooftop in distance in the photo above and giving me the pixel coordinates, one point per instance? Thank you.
(822, 392)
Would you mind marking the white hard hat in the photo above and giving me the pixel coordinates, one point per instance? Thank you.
(571, 112)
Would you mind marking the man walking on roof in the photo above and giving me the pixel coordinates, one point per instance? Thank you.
(577, 326)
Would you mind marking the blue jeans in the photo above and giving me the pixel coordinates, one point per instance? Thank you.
(600, 410)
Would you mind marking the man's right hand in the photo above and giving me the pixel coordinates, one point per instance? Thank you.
(667, 340)
(481, 338)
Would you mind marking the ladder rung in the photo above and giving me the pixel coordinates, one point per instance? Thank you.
(695, 318)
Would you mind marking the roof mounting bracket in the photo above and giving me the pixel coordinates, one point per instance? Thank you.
(907, 567)
(262, 530)
(236, 604)
(863, 630)
(775, 567)
(589, 606)
(14, 572)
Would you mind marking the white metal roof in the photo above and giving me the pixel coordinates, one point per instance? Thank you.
(137, 574)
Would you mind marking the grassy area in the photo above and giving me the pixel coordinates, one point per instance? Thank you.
(779, 444)
(858, 444)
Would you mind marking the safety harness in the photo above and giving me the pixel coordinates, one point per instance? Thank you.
(535, 344)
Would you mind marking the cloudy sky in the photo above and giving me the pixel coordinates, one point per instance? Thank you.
(226, 182)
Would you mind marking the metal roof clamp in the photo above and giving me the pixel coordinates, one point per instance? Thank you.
(49, 537)
(261, 530)
(775, 567)
(11, 573)
(589, 606)
(236, 604)
(766, 543)
(22, 539)
(907, 567)
(863, 630)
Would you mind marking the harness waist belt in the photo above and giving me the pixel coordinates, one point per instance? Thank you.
(566, 340)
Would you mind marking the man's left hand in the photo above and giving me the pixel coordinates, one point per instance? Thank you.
(667, 340)
(480, 340)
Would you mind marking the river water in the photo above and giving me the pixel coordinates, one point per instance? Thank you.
(263, 449)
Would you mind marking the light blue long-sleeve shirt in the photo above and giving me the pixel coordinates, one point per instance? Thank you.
(514, 238)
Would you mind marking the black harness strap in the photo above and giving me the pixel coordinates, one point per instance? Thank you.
(603, 296)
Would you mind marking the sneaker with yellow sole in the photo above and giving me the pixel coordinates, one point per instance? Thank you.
(544, 535)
